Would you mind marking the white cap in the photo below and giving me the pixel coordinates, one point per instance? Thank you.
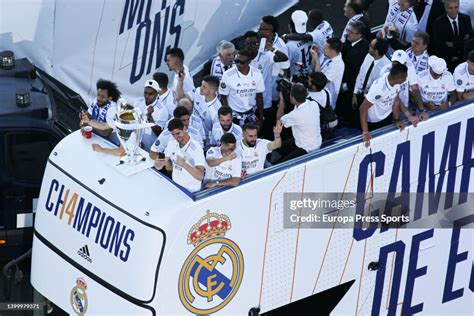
(438, 65)
(299, 18)
(401, 56)
(152, 84)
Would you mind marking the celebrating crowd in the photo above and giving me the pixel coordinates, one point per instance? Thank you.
(265, 98)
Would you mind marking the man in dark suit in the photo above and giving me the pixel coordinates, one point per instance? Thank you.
(451, 31)
(427, 11)
(353, 53)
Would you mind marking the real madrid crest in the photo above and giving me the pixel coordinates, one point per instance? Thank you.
(79, 297)
(213, 271)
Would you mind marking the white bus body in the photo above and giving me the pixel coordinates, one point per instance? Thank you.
(109, 244)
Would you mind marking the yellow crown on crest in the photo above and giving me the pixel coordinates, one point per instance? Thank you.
(208, 226)
(81, 283)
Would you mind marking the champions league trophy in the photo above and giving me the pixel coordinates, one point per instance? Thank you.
(130, 125)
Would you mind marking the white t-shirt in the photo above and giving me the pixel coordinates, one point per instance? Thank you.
(412, 79)
(333, 68)
(194, 155)
(435, 90)
(321, 97)
(264, 62)
(253, 158)
(188, 84)
(217, 133)
(168, 100)
(196, 122)
(305, 125)
(463, 80)
(320, 34)
(382, 95)
(241, 89)
(207, 111)
(299, 53)
(162, 141)
(225, 170)
(280, 45)
(374, 74)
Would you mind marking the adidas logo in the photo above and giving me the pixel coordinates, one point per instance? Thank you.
(84, 253)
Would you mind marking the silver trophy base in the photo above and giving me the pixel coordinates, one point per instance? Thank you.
(132, 160)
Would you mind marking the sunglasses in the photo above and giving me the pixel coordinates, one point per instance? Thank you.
(239, 61)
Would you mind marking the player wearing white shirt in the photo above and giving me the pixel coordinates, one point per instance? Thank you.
(174, 60)
(223, 164)
(298, 51)
(401, 22)
(382, 100)
(183, 157)
(195, 120)
(304, 122)
(409, 90)
(206, 102)
(224, 126)
(418, 52)
(331, 63)
(154, 111)
(242, 86)
(436, 83)
(167, 97)
(163, 139)
(253, 150)
(268, 29)
(263, 61)
(318, 29)
(464, 78)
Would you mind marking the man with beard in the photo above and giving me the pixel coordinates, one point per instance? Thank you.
(102, 111)
(225, 125)
(253, 150)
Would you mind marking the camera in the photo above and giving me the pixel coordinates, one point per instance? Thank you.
(283, 85)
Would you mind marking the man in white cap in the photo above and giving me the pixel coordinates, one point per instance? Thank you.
(409, 90)
(154, 111)
(298, 50)
(464, 78)
(436, 83)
